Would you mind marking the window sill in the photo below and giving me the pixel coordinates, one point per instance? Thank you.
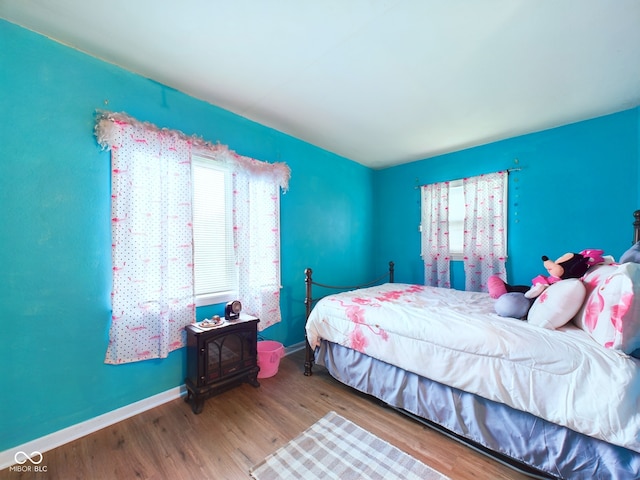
(215, 298)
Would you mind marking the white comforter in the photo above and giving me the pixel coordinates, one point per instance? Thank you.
(455, 338)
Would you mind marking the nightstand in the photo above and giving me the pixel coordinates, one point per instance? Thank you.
(219, 358)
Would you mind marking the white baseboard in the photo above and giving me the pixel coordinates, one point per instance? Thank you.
(293, 348)
(55, 439)
(69, 434)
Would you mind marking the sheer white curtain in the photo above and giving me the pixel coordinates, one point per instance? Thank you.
(152, 297)
(485, 228)
(435, 234)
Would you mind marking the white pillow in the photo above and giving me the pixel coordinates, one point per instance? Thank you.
(611, 312)
(558, 304)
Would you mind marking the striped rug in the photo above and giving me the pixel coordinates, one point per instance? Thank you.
(336, 448)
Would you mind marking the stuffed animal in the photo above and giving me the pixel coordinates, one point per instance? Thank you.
(569, 265)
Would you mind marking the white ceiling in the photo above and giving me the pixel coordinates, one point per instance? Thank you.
(382, 82)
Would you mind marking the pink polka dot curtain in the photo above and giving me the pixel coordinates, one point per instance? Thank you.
(151, 251)
(435, 234)
(152, 240)
(485, 234)
(256, 233)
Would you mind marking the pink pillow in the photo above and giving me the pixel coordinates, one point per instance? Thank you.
(558, 304)
(611, 312)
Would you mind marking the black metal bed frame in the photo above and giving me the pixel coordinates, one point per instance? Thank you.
(309, 302)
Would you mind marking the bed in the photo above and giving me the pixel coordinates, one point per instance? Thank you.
(551, 402)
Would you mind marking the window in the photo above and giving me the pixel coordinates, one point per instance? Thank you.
(464, 220)
(215, 272)
(160, 179)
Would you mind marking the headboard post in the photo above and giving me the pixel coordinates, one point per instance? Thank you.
(391, 271)
(636, 227)
(308, 301)
(308, 283)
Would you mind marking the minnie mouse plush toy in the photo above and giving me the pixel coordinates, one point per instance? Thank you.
(569, 265)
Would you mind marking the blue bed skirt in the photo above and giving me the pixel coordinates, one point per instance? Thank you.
(552, 450)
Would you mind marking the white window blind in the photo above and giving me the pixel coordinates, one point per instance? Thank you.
(456, 219)
(215, 272)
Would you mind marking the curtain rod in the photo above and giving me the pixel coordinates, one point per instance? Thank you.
(508, 170)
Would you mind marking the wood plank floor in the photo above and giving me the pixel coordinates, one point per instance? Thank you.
(240, 427)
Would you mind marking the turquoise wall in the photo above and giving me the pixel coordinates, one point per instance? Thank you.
(577, 189)
(55, 255)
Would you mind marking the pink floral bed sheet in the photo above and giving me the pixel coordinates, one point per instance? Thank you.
(455, 338)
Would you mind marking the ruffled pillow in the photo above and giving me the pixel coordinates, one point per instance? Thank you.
(558, 304)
